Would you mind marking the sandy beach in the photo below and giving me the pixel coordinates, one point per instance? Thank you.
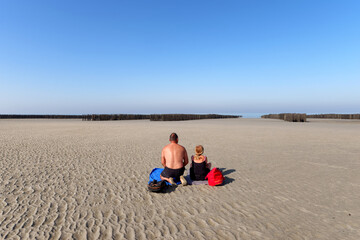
(72, 179)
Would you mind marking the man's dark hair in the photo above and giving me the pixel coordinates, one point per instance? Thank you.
(173, 137)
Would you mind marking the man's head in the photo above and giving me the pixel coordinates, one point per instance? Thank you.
(173, 137)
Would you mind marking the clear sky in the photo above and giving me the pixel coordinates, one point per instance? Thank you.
(179, 56)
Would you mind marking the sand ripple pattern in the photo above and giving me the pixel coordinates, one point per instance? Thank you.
(68, 179)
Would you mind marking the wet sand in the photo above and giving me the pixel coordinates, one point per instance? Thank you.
(64, 179)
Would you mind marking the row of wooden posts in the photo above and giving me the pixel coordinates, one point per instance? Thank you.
(301, 117)
(107, 117)
(39, 116)
(335, 116)
(290, 117)
(154, 117)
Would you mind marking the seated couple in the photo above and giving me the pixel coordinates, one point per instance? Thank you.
(174, 158)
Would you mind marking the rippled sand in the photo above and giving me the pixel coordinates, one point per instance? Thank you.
(64, 179)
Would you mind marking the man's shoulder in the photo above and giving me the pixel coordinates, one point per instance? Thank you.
(182, 147)
(174, 146)
(166, 147)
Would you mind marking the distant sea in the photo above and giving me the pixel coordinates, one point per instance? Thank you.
(252, 115)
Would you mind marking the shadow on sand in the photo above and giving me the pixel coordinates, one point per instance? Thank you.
(169, 189)
(226, 172)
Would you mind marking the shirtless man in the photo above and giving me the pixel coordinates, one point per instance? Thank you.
(174, 158)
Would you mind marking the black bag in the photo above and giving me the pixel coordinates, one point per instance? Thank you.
(156, 186)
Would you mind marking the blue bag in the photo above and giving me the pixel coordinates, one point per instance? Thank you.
(155, 175)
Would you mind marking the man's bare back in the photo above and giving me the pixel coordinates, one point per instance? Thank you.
(174, 156)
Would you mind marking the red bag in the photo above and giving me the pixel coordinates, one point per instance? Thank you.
(215, 177)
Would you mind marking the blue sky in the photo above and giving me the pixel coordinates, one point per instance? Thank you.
(157, 56)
